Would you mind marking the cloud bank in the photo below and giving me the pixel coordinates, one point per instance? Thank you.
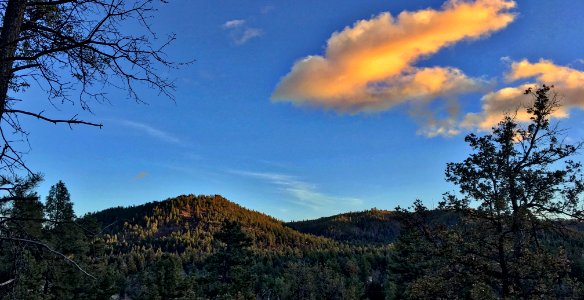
(371, 65)
(567, 82)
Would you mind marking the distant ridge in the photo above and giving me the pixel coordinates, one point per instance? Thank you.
(373, 226)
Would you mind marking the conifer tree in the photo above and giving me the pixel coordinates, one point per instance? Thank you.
(59, 207)
(230, 265)
(517, 189)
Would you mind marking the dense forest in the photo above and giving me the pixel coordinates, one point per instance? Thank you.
(206, 247)
(191, 247)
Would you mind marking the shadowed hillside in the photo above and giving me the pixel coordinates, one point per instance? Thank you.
(371, 226)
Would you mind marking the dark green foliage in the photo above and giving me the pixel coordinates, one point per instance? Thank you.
(372, 226)
(229, 267)
(59, 207)
(228, 252)
(516, 190)
(206, 247)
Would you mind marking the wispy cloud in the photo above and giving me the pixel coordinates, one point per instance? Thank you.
(568, 83)
(302, 192)
(239, 32)
(371, 66)
(246, 35)
(151, 131)
(233, 23)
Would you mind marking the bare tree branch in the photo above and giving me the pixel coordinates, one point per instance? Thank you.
(43, 245)
(54, 121)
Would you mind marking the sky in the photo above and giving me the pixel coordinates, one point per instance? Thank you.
(303, 109)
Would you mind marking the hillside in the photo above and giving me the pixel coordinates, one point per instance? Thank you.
(190, 222)
(368, 227)
(206, 247)
(191, 238)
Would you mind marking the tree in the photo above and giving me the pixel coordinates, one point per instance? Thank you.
(66, 237)
(72, 49)
(24, 217)
(59, 207)
(229, 267)
(516, 190)
(21, 266)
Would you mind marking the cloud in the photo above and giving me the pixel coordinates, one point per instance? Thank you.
(239, 32)
(371, 65)
(141, 175)
(233, 23)
(151, 131)
(303, 193)
(246, 35)
(567, 82)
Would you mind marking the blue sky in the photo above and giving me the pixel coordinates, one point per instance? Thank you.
(248, 126)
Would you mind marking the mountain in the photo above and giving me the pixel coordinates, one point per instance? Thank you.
(192, 247)
(190, 222)
(373, 226)
(207, 247)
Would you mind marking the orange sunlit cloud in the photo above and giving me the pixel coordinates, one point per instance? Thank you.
(567, 82)
(370, 66)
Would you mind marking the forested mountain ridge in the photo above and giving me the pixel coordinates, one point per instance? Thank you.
(371, 226)
(189, 221)
(191, 237)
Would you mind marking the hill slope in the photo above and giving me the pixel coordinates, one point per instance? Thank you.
(189, 222)
(368, 227)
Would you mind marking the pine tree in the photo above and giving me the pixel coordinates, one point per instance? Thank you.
(63, 280)
(21, 261)
(59, 207)
(230, 266)
(516, 190)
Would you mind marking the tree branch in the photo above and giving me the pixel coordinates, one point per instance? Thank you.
(50, 250)
(54, 121)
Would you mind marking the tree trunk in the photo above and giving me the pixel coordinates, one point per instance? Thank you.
(11, 26)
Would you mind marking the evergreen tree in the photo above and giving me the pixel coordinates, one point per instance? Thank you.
(515, 191)
(20, 261)
(230, 266)
(27, 212)
(59, 207)
(62, 280)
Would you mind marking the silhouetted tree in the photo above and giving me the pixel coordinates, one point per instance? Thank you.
(515, 190)
(20, 263)
(59, 208)
(72, 49)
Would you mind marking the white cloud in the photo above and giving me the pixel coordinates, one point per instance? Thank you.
(233, 23)
(151, 131)
(246, 35)
(302, 193)
(239, 32)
